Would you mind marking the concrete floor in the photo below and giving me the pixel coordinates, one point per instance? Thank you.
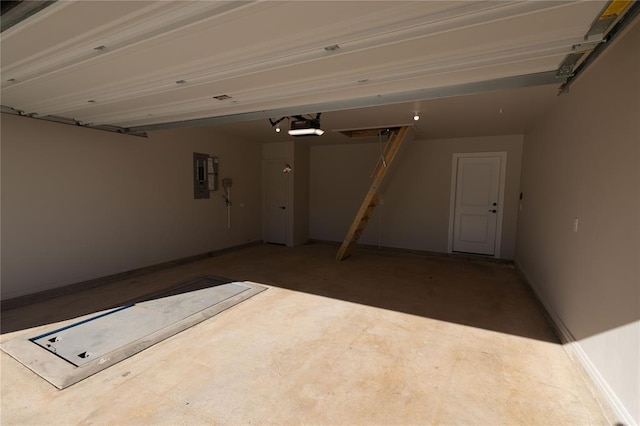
(381, 338)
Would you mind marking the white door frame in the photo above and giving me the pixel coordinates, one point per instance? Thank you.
(288, 196)
(452, 203)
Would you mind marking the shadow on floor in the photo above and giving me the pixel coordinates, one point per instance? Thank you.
(87, 302)
(474, 292)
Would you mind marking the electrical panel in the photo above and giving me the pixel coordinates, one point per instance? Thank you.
(205, 175)
(212, 173)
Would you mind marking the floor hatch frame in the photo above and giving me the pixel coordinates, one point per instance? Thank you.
(66, 355)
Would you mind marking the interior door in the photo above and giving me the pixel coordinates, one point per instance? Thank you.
(276, 206)
(476, 204)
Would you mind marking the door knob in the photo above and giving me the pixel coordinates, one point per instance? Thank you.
(492, 211)
(283, 207)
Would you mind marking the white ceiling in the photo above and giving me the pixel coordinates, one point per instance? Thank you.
(133, 63)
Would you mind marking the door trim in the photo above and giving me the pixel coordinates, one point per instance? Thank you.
(288, 197)
(452, 199)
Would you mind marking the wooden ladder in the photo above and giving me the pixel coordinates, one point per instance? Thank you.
(394, 140)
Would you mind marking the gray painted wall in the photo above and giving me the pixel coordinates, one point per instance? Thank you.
(582, 160)
(79, 204)
(414, 212)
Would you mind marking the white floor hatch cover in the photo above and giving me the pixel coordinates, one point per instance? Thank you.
(66, 355)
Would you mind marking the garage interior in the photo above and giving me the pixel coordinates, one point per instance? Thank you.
(147, 145)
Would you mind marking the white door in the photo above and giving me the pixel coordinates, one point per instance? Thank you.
(275, 210)
(476, 204)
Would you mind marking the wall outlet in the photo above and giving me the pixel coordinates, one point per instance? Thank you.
(575, 224)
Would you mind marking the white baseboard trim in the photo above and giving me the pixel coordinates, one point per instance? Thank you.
(599, 385)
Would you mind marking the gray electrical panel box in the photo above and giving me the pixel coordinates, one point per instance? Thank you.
(205, 175)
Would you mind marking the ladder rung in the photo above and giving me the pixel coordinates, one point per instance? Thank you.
(390, 139)
(371, 199)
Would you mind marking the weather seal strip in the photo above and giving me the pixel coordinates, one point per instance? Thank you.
(518, 81)
(70, 121)
(14, 12)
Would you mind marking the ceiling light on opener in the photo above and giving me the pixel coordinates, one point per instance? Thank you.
(306, 132)
(303, 126)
